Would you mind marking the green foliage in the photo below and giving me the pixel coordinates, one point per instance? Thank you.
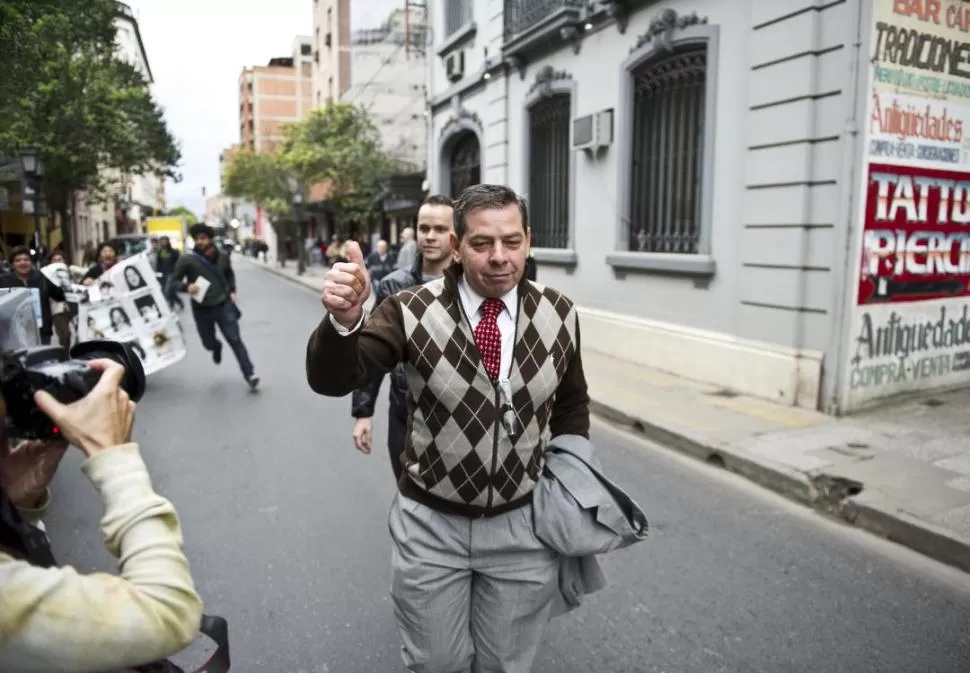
(183, 212)
(337, 144)
(261, 178)
(37, 33)
(65, 92)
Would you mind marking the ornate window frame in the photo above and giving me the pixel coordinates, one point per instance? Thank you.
(549, 82)
(665, 32)
(460, 122)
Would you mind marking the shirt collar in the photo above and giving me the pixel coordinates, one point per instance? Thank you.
(473, 300)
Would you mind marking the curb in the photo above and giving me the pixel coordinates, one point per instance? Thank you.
(866, 510)
(860, 508)
(902, 528)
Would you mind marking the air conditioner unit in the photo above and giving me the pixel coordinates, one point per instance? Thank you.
(593, 131)
(455, 65)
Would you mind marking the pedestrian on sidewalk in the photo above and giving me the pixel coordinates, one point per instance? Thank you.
(408, 250)
(379, 264)
(472, 585)
(435, 228)
(218, 303)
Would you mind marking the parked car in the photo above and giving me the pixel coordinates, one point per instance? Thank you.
(130, 245)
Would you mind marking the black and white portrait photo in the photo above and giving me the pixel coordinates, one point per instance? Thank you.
(148, 308)
(93, 328)
(137, 348)
(107, 289)
(119, 319)
(134, 278)
(63, 277)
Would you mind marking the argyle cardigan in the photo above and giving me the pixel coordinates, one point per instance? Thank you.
(459, 456)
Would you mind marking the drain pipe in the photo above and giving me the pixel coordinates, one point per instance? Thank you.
(804, 259)
(853, 161)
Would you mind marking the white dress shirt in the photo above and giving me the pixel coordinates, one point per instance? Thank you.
(471, 302)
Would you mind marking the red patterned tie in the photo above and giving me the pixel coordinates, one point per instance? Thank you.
(488, 338)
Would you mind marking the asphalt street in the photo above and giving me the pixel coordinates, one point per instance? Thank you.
(286, 529)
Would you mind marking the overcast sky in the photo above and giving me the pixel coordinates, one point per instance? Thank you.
(196, 49)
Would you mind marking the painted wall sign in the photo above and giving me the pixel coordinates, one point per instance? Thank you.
(911, 130)
(910, 327)
(916, 238)
(923, 47)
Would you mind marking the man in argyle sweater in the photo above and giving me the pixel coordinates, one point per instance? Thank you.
(494, 371)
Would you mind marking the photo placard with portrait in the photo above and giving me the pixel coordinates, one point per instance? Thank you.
(131, 308)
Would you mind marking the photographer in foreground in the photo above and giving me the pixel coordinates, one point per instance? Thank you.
(55, 619)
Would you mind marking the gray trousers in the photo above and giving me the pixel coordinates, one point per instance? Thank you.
(469, 594)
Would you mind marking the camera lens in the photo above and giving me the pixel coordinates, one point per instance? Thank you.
(133, 381)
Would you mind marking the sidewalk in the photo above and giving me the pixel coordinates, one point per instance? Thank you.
(901, 472)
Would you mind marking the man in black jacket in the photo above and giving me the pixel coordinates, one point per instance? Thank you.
(165, 260)
(216, 304)
(23, 274)
(435, 254)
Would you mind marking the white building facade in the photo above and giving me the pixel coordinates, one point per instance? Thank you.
(133, 197)
(388, 72)
(712, 181)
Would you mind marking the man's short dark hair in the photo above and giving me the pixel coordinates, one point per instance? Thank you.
(493, 197)
(201, 229)
(438, 200)
(19, 250)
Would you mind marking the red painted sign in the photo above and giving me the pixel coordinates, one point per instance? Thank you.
(916, 239)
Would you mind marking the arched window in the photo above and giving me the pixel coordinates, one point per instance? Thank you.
(466, 163)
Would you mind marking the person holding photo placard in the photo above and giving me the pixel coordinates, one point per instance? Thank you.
(60, 311)
(23, 274)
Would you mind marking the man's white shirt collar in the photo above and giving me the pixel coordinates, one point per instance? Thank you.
(472, 301)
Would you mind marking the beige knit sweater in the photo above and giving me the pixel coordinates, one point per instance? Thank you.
(57, 620)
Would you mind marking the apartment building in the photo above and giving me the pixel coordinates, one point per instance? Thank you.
(274, 95)
(382, 66)
(331, 59)
(388, 72)
(270, 97)
(767, 196)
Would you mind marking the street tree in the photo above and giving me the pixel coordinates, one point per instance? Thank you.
(84, 108)
(258, 177)
(35, 32)
(263, 179)
(337, 145)
(340, 146)
(183, 212)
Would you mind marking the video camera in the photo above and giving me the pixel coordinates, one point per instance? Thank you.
(27, 367)
(67, 377)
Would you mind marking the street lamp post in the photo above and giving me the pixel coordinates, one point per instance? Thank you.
(296, 190)
(33, 170)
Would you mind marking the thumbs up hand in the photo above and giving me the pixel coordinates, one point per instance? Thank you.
(346, 287)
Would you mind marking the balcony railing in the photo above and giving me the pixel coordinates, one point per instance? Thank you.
(522, 15)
